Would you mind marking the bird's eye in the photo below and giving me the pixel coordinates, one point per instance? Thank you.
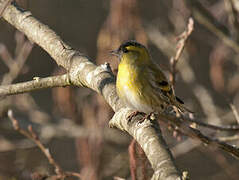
(125, 50)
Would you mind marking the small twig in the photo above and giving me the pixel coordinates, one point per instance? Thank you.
(235, 112)
(36, 84)
(211, 126)
(180, 46)
(210, 24)
(17, 62)
(17, 65)
(229, 138)
(196, 134)
(6, 56)
(30, 134)
(184, 147)
(232, 17)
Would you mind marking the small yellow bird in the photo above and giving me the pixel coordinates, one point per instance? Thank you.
(140, 82)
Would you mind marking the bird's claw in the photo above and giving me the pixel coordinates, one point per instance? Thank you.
(135, 113)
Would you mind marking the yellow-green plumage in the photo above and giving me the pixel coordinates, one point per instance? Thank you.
(140, 82)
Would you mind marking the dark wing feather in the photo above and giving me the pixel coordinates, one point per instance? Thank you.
(159, 82)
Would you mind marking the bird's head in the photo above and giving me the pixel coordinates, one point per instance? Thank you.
(131, 51)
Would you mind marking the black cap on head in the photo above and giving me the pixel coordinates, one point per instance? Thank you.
(130, 43)
(122, 49)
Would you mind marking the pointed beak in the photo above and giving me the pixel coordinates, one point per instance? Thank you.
(115, 53)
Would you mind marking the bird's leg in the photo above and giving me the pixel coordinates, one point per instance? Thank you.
(148, 116)
(135, 113)
(145, 116)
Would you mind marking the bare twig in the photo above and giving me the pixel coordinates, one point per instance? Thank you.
(6, 56)
(162, 42)
(232, 128)
(180, 46)
(30, 134)
(209, 107)
(232, 17)
(196, 134)
(235, 112)
(229, 138)
(184, 147)
(64, 128)
(37, 83)
(20, 40)
(158, 37)
(210, 23)
(16, 64)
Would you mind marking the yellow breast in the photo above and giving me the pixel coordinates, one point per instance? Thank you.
(125, 79)
(130, 88)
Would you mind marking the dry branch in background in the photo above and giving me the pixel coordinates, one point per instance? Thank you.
(191, 131)
(15, 64)
(188, 75)
(207, 20)
(180, 46)
(30, 134)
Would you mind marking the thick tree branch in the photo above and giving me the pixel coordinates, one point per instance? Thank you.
(81, 70)
(149, 136)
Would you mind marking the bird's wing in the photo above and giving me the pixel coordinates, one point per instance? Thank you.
(158, 82)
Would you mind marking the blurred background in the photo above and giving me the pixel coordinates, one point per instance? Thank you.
(73, 122)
